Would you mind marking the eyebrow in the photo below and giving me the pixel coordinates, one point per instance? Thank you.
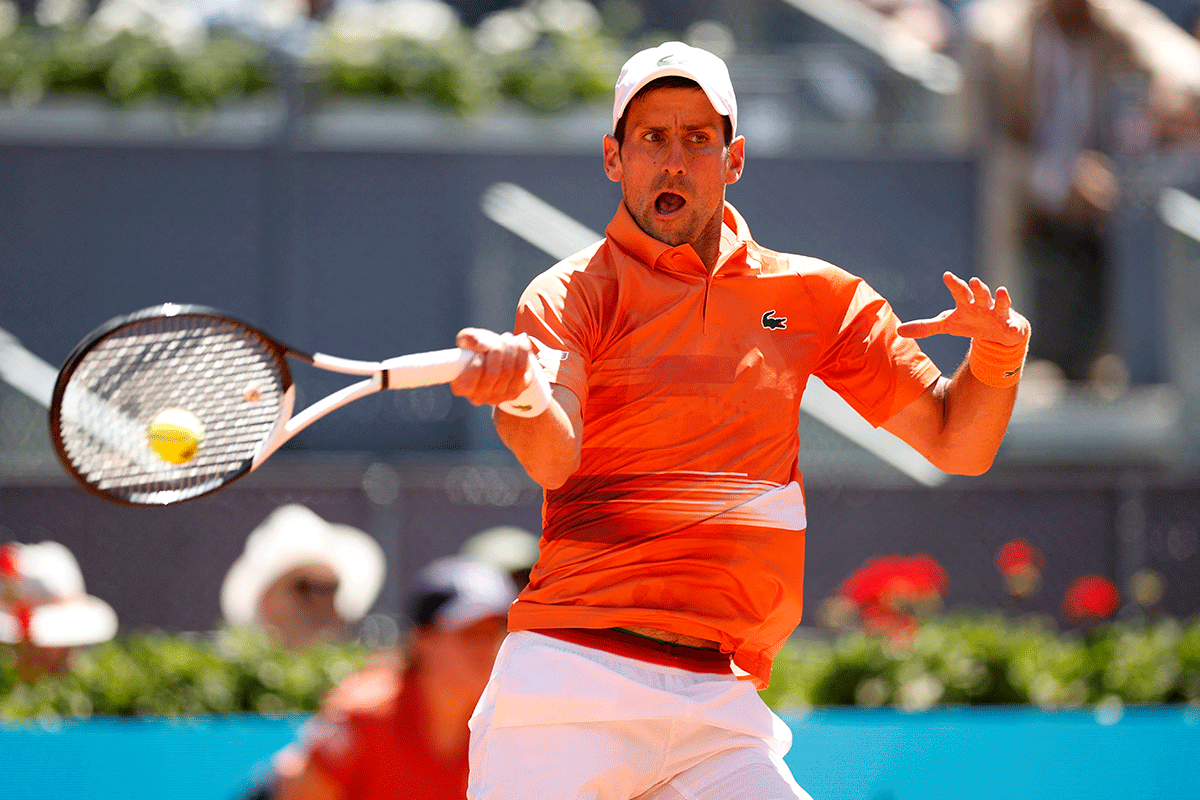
(703, 126)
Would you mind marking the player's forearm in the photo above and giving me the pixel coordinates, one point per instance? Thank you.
(548, 445)
(975, 417)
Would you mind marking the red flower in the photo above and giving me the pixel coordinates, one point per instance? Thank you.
(1017, 556)
(8, 561)
(863, 586)
(926, 575)
(1021, 565)
(885, 590)
(1091, 596)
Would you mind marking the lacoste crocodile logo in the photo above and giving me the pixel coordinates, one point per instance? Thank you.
(773, 323)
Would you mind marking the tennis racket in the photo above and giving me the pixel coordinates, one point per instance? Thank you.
(233, 377)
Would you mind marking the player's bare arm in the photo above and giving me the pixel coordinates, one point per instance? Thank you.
(548, 444)
(304, 781)
(959, 423)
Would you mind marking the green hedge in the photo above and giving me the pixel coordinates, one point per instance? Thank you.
(976, 660)
(365, 54)
(157, 673)
(129, 68)
(992, 659)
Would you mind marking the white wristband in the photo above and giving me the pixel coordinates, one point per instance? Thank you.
(534, 400)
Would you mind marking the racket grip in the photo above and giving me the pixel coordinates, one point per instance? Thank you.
(534, 400)
(425, 369)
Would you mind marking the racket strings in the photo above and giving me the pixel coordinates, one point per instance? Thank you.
(223, 373)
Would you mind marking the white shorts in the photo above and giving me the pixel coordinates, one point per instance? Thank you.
(559, 720)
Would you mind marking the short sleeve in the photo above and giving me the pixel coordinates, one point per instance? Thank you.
(874, 369)
(558, 323)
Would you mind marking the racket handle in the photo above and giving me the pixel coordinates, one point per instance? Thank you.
(443, 366)
(425, 369)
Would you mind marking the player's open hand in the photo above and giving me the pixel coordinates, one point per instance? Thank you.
(499, 371)
(977, 314)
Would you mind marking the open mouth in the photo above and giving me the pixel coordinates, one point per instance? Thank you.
(668, 203)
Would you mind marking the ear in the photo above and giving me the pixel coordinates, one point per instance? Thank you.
(612, 160)
(737, 159)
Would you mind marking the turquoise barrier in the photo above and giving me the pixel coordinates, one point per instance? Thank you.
(189, 758)
(837, 754)
(998, 754)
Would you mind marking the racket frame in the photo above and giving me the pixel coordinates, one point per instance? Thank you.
(402, 372)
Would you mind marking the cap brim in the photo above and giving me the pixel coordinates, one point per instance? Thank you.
(455, 616)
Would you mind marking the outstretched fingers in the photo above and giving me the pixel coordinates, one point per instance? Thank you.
(981, 294)
(960, 290)
(976, 312)
(922, 328)
(1003, 299)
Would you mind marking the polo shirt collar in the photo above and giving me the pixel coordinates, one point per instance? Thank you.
(645, 249)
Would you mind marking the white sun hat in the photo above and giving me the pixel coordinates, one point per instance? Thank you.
(294, 535)
(679, 60)
(46, 580)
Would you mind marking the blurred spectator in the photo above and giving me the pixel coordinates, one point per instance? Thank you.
(512, 549)
(303, 579)
(391, 731)
(1065, 87)
(45, 612)
(930, 22)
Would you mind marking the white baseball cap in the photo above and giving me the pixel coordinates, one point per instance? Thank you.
(45, 578)
(455, 592)
(680, 60)
(293, 535)
(506, 546)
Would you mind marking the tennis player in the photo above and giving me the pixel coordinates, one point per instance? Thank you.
(672, 556)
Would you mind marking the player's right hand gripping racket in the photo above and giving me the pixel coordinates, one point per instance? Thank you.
(231, 376)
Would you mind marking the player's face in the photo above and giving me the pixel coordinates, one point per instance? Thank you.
(298, 607)
(674, 165)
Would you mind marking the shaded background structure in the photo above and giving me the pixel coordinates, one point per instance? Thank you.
(368, 228)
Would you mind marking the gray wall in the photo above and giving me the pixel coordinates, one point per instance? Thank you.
(368, 252)
(372, 247)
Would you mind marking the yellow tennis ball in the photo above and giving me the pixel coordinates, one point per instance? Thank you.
(176, 435)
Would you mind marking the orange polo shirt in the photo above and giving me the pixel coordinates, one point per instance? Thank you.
(687, 511)
(371, 739)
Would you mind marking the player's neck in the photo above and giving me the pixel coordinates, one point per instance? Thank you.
(708, 244)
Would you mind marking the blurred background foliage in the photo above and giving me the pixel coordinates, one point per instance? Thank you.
(993, 660)
(983, 659)
(545, 55)
(169, 674)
